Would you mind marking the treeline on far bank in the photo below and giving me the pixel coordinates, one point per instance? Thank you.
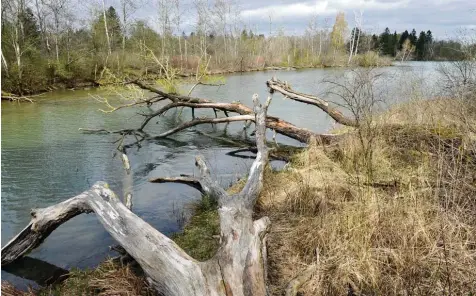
(45, 44)
(421, 47)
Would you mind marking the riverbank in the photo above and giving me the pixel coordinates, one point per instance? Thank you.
(335, 211)
(108, 77)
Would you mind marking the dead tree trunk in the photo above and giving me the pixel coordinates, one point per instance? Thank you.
(238, 268)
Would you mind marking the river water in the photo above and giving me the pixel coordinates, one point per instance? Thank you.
(45, 159)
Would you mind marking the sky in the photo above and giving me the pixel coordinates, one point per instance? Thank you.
(443, 17)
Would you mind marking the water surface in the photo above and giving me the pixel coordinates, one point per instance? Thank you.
(45, 159)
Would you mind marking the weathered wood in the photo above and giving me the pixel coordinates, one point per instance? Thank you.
(43, 222)
(280, 126)
(17, 99)
(203, 120)
(283, 154)
(237, 269)
(163, 261)
(276, 124)
(285, 89)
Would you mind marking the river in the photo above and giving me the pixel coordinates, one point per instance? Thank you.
(45, 159)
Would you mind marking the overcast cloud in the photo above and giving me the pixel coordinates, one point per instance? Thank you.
(442, 17)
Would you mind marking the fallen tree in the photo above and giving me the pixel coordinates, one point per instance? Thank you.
(238, 268)
(278, 125)
(16, 98)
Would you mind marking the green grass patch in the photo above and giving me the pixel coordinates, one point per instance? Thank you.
(200, 236)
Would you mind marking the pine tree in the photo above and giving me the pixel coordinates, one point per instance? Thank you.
(375, 43)
(403, 37)
(31, 31)
(429, 36)
(429, 45)
(394, 44)
(356, 32)
(386, 42)
(413, 37)
(420, 46)
(114, 27)
(244, 34)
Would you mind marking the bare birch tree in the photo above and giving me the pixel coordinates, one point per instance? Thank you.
(106, 29)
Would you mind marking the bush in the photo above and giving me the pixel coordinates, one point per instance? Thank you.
(371, 59)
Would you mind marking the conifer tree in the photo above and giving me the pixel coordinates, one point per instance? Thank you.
(413, 37)
(420, 46)
(404, 36)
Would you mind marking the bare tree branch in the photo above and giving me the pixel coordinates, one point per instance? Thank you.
(283, 88)
(277, 124)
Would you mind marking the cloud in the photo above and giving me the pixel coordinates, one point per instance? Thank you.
(301, 9)
(310, 8)
(441, 16)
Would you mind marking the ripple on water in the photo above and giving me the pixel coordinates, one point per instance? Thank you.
(45, 160)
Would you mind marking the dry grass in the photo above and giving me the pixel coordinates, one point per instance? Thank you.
(9, 290)
(398, 221)
(108, 279)
(406, 228)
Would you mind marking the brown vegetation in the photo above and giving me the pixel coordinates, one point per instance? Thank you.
(387, 209)
(407, 230)
(110, 278)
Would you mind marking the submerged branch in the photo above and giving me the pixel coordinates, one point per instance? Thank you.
(192, 182)
(204, 120)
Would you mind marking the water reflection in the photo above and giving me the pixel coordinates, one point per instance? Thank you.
(46, 160)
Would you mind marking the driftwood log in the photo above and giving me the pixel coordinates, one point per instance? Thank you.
(239, 266)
